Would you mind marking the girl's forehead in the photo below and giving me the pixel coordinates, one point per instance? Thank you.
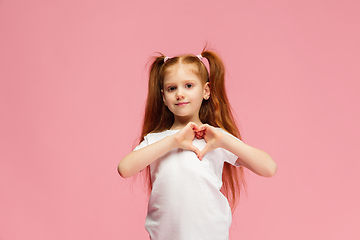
(181, 68)
(183, 65)
(181, 72)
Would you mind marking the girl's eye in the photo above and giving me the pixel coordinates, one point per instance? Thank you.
(171, 89)
(188, 85)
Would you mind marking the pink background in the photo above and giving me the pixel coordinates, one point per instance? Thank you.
(72, 93)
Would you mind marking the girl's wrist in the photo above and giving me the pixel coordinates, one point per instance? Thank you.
(174, 143)
(223, 140)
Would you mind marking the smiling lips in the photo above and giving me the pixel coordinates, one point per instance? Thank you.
(181, 104)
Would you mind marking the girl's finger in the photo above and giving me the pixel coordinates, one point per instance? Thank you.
(205, 150)
(203, 127)
(195, 150)
(193, 126)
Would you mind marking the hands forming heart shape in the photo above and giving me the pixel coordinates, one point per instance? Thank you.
(211, 135)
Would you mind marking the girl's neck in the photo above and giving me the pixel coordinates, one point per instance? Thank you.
(180, 123)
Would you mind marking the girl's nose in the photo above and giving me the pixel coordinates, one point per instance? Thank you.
(179, 95)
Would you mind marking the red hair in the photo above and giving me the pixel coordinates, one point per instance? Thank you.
(216, 111)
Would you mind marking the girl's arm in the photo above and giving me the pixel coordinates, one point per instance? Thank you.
(137, 160)
(252, 158)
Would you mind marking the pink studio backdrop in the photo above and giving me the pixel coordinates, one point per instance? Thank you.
(72, 93)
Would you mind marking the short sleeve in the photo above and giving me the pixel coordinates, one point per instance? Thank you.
(229, 157)
(143, 144)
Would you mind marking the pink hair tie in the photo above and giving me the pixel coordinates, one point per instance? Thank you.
(166, 58)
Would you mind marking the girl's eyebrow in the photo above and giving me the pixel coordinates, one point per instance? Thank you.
(183, 81)
(167, 84)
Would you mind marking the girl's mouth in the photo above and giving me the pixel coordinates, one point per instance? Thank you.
(181, 104)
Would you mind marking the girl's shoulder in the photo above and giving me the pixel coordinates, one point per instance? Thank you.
(223, 130)
(165, 132)
(156, 136)
(153, 137)
(226, 132)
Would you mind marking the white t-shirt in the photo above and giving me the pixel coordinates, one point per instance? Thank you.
(185, 202)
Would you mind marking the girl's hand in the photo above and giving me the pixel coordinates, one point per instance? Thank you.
(185, 136)
(212, 137)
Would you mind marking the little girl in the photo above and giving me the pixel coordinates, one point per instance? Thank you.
(191, 149)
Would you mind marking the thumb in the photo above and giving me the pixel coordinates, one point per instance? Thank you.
(193, 126)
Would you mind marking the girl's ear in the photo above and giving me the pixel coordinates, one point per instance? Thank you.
(163, 96)
(206, 91)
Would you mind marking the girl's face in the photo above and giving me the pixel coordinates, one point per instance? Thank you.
(183, 92)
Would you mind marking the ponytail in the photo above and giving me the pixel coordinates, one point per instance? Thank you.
(157, 116)
(219, 114)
